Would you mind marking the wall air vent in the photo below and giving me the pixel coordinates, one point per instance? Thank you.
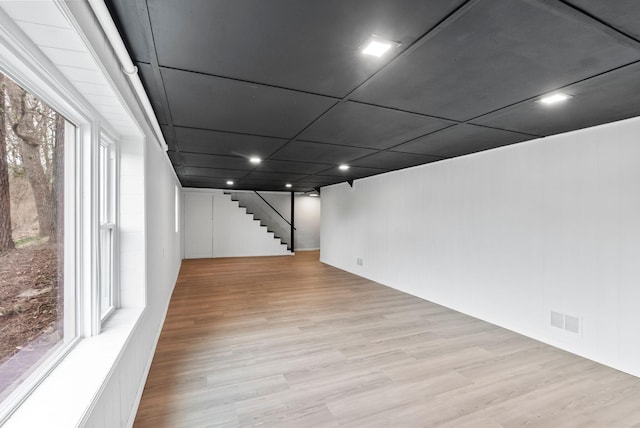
(572, 324)
(565, 322)
(557, 319)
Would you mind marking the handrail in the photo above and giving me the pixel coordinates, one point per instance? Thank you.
(277, 212)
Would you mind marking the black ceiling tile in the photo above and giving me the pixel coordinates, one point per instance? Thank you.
(361, 125)
(226, 143)
(169, 137)
(312, 185)
(132, 19)
(267, 185)
(153, 90)
(607, 98)
(352, 173)
(290, 166)
(488, 55)
(299, 187)
(216, 161)
(213, 183)
(174, 157)
(461, 140)
(394, 160)
(192, 171)
(309, 46)
(319, 180)
(621, 14)
(262, 187)
(201, 101)
(274, 177)
(495, 54)
(306, 151)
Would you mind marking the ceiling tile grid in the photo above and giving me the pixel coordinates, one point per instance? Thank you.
(214, 103)
(307, 46)
(460, 140)
(286, 82)
(497, 53)
(362, 125)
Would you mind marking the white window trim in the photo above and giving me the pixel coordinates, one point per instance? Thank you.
(176, 211)
(114, 274)
(34, 376)
(19, 67)
(112, 147)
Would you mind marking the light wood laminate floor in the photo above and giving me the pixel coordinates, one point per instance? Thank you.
(288, 341)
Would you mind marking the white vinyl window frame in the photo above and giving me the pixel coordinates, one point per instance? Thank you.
(176, 213)
(76, 133)
(108, 243)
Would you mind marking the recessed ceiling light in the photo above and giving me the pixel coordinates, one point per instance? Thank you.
(343, 167)
(315, 195)
(255, 160)
(287, 185)
(558, 97)
(377, 46)
(229, 183)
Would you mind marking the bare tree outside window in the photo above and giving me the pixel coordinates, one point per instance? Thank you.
(32, 137)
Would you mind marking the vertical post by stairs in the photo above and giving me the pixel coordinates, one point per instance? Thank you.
(292, 221)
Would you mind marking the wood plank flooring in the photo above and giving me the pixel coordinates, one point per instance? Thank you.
(288, 341)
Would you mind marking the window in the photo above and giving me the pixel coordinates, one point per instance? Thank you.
(176, 202)
(107, 219)
(37, 287)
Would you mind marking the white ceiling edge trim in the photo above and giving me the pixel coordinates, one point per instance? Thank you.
(55, 37)
(115, 99)
(113, 36)
(84, 21)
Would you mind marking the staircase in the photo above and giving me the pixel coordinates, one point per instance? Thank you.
(244, 231)
(263, 212)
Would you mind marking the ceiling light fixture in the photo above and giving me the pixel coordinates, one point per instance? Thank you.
(229, 183)
(255, 160)
(287, 185)
(314, 195)
(558, 97)
(377, 46)
(343, 167)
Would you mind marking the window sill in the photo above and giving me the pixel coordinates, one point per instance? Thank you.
(67, 394)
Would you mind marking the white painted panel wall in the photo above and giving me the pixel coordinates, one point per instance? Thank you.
(198, 225)
(307, 221)
(509, 235)
(234, 233)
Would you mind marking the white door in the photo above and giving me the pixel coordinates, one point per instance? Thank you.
(198, 225)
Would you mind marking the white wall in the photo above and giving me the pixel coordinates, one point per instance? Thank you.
(198, 225)
(509, 235)
(307, 222)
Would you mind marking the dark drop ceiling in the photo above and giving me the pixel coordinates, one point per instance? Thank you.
(284, 80)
